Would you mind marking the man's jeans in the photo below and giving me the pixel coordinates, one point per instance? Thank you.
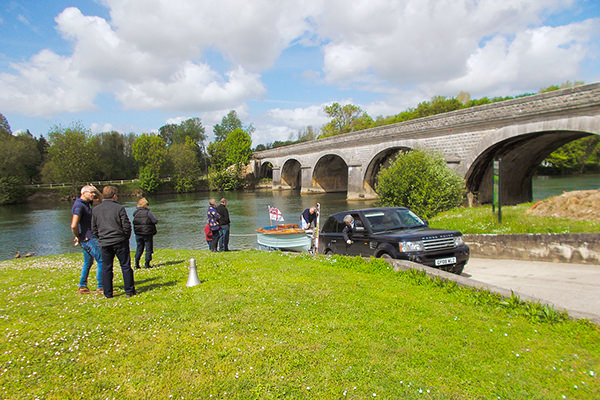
(121, 250)
(91, 252)
(224, 238)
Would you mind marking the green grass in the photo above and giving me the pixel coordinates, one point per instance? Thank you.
(269, 325)
(514, 220)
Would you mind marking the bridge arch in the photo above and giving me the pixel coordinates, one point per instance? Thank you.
(265, 170)
(380, 161)
(291, 174)
(330, 174)
(521, 151)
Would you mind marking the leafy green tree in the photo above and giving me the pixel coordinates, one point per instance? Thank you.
(186, 168)
(239, 147)
(421, 181)
(166, 132)
(11, 190)
(150, 152)
(190, 128)
(228, 124)
(116, 158)
(72, 155)
(347, 118)
(19, 157)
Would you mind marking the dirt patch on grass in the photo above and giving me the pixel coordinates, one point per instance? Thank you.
(580, 205)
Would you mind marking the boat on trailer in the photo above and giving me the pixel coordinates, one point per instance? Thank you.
(285, 237)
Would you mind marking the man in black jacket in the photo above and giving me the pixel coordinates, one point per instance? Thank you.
(224, 223)
(111, 226)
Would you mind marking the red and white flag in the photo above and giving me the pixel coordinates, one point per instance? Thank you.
(275, 214)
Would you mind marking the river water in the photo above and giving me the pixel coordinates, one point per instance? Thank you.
(44, 228)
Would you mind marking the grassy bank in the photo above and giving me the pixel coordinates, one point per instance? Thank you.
(514, 220)
(267, 325)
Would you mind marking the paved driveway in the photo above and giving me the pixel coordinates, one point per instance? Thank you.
(572, 287)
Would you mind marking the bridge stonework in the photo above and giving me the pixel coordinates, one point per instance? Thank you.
(520, 132)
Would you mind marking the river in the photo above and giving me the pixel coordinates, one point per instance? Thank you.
(44, 228)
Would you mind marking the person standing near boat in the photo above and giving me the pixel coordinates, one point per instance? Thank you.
(308, 219)
(144, 226)
(224, 225)
(213, 223)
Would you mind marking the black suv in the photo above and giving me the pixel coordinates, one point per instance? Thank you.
(395, 232)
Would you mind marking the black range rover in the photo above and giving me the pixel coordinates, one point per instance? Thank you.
(395, 232)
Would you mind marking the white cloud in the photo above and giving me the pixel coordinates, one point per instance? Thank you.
(299, 118)
(46, 85)
(99, 128)
(532, 59)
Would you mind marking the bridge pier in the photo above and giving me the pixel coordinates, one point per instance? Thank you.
(306, 179)
(277, 178)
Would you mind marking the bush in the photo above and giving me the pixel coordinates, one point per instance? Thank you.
(422, 182)
(149, 180)
(11, 190)
(226, 179)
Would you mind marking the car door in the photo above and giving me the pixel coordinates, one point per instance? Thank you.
(360, 239)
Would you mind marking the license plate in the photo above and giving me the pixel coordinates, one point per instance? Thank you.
(445, 261)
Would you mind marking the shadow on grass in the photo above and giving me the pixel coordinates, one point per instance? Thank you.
(166, 264)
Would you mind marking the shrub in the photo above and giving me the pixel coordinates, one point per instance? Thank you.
(421, 181)
(226, 179)
(149, 180)
(11, 190)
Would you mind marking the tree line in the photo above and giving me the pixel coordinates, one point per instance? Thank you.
(73, 155)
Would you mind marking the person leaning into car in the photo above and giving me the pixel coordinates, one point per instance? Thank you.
(348, 229)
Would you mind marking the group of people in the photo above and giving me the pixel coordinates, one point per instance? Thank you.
(103, 233)
(217, 226)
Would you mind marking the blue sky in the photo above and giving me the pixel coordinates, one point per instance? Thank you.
(133, 66)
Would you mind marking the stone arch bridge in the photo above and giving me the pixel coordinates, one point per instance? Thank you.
(521, 132)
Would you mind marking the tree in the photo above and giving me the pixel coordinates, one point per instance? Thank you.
(71, 155)
(420, 181)
(229, 123)
(116, 158)
(166, 132)
(238, 147)
(190, 128)
(150, 152)
(186, 168)
(348, 118)
(19, 157)
(4, 126)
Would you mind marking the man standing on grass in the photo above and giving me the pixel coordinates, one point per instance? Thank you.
(111, 225)
(224, 224)
(81, 226)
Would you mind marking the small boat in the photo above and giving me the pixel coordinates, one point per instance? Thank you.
(288, 237)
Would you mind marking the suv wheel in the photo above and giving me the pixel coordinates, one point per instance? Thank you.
(458, 268)
(385, 256)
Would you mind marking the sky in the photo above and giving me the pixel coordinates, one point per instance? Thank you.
(136, 65)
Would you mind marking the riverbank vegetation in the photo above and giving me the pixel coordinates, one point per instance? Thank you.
(268, 325)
